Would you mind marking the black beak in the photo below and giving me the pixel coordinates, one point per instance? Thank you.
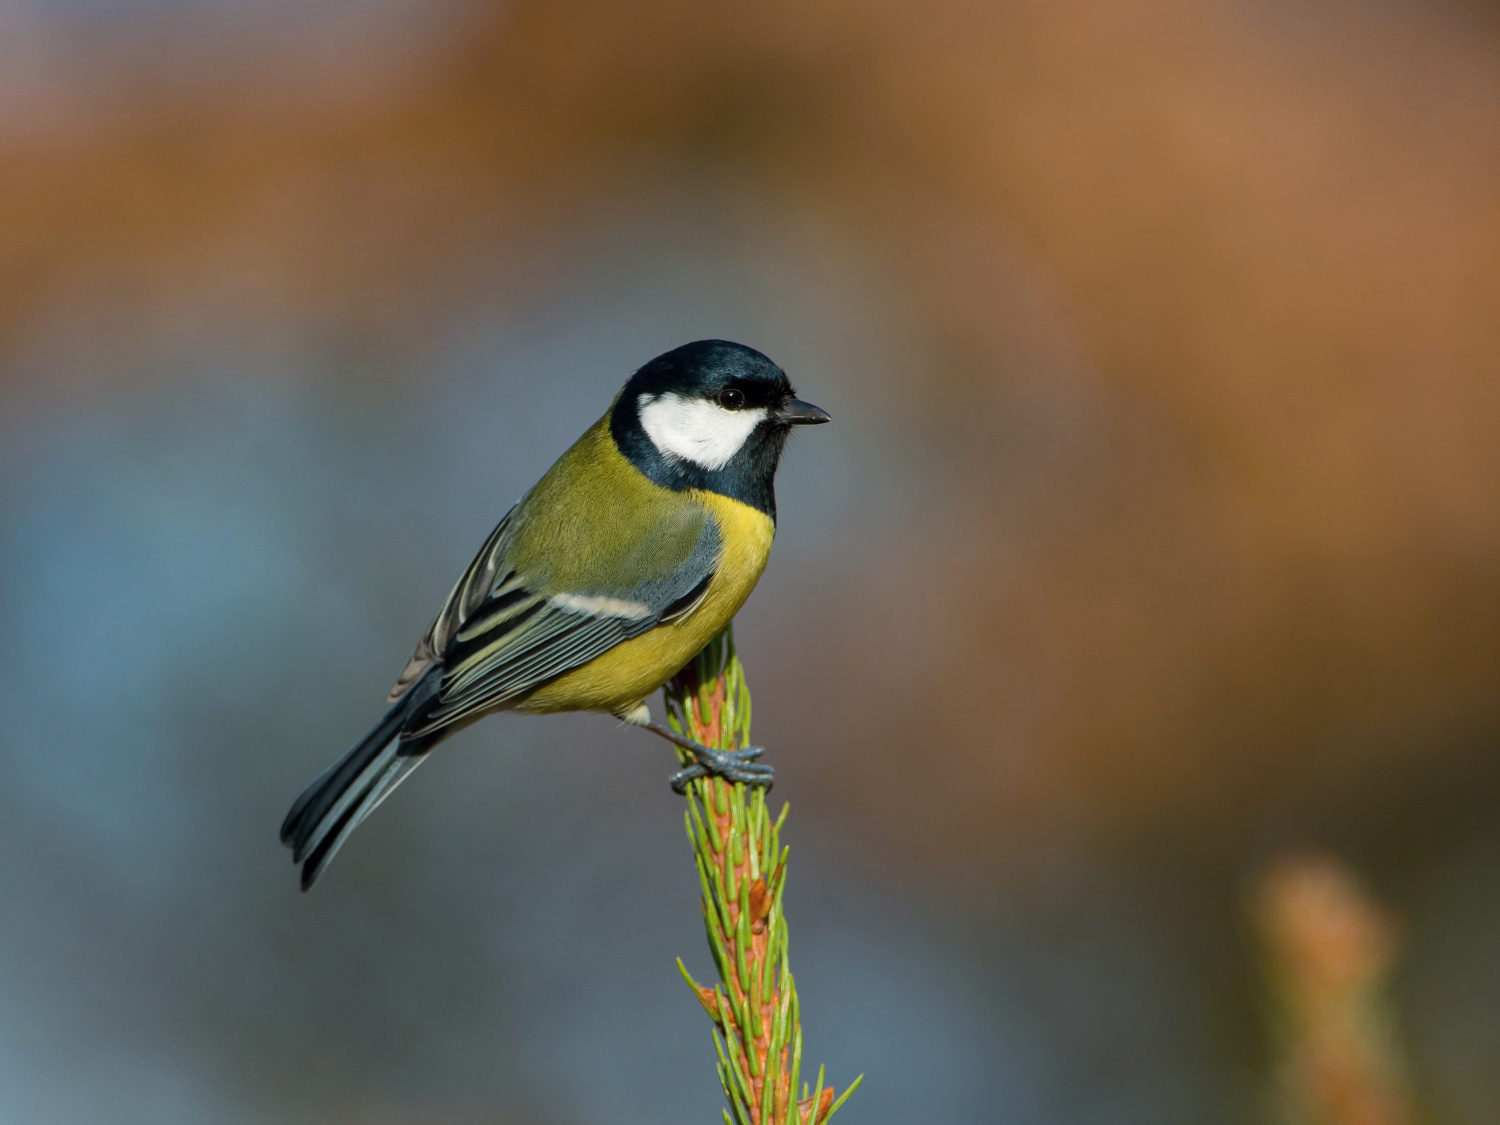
(795, 412)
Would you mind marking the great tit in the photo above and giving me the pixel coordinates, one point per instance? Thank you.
(633, 551)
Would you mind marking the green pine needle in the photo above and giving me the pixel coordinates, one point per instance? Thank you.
(742, 865)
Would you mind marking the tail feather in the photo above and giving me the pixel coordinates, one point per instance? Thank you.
(341, 827)
(333, 806)
(352, 792)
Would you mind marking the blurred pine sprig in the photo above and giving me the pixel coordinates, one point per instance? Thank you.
(742, 867)
(1330, 948)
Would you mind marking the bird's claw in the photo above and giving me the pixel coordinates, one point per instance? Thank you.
(731, 765)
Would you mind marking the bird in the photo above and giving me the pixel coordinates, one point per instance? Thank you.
(633, 551)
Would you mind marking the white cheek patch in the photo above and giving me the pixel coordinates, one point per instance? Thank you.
(695, 429)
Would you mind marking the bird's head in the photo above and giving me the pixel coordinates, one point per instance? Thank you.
(710, 414)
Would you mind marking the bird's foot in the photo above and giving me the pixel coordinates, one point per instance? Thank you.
(731, 765)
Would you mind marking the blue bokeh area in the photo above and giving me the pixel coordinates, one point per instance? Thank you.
(211, 581)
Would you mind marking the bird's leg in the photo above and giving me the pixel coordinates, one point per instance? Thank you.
(731, 765)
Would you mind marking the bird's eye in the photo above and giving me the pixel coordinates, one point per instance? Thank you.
(731, 399)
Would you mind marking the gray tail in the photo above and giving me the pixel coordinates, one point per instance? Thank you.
(332, 807)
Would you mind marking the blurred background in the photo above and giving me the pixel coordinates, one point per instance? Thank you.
(1155, 540)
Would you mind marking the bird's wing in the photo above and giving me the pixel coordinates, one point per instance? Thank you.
(467, 594)
(528, 628)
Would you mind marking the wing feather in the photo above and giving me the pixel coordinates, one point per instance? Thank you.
(578, 642)
(515, 638)
(467, 595)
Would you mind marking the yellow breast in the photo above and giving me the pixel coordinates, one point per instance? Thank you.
(625, 675)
